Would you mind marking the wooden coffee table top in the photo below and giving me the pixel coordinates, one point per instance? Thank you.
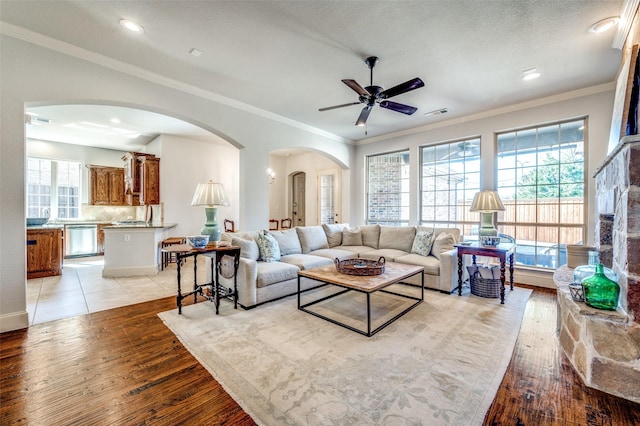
(393, 272)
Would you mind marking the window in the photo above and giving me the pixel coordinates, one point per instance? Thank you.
(450, 177)
(541, 180)
(53, 188)
(388, 188)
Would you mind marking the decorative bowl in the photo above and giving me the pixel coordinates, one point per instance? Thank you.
(490, 241)
(198, 241)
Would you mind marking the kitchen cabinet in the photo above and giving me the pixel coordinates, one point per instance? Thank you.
(44, 252)
(141, 179)
(107, 186)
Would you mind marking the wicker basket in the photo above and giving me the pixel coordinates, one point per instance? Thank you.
(360, 267)
(484, 287)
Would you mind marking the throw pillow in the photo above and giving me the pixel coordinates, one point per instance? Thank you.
(334, 233)
(422, 243)
(351, 237)
(248, 248)
(443, 242)
(268, 246)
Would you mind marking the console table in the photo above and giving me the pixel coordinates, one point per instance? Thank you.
(184, 251)
(501, 251)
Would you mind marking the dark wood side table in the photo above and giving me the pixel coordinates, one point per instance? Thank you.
(184, 251)
(501, 251)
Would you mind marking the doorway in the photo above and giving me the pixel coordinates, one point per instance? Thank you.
(298, 192)
(329, 196)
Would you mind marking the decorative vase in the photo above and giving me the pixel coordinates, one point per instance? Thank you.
(584, 271)
(601, 292)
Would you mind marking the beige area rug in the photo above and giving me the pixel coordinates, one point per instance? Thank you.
(440, 364)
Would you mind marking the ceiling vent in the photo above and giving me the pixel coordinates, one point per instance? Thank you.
(436, 112)
(33, 120)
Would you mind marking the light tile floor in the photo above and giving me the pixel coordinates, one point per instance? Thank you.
(81, 289)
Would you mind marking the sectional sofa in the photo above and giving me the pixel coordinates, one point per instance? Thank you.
(271, 259)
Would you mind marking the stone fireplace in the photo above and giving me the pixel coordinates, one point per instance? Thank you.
(604, 346)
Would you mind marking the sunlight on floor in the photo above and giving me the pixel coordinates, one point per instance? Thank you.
(81, 289)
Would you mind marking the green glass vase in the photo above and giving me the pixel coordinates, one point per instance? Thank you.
(599, 291)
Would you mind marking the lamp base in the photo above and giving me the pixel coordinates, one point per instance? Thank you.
(211, 225)
(486, 226)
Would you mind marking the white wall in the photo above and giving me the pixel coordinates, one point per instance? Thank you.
(34, 75)
(183, 164)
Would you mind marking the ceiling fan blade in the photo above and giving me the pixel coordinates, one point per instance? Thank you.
(364, 115)
(394, 106)
(339, 106)
(407, 86)
(356, 87)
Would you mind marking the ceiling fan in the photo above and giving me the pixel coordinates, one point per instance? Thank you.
(371, 95)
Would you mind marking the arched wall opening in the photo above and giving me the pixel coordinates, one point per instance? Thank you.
(289, 165)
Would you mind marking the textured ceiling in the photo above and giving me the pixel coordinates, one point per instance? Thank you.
(288, 57)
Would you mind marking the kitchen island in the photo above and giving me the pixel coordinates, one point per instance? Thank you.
(133, 249)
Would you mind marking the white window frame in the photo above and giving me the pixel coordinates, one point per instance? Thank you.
(538, 225)
(388, 193)
(53, 208)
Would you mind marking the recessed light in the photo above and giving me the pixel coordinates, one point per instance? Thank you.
(131, 26)
(115, 120)
(530, 74)
(195, 52)
(604, 24)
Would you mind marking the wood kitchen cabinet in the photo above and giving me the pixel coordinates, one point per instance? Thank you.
(44, 252)
(100, 238)
(107, 186)
(141, 178)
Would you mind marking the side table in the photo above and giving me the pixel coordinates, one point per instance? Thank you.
(501, 251)
(184, 251)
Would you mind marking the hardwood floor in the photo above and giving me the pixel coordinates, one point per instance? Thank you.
(123, 366)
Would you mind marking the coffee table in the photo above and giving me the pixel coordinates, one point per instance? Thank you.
(394, 273)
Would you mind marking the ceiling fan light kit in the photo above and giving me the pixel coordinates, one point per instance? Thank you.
(372, 95)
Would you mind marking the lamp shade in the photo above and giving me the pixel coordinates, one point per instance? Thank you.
(487, 201)
(210, 194)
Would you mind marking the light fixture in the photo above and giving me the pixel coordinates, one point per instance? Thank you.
(487, 202)
(211, 195)
(195, 52)
(271, 174)
(530, 74)
(604, 24)
(131, 26)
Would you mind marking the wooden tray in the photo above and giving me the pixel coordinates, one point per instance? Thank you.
(361, 267)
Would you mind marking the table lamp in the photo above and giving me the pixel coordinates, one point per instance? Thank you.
(487, 202)
(211, 195)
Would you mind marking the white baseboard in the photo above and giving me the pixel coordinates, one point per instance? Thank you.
(534, 277)
(14, 321)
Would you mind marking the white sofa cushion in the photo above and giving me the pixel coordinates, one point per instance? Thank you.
(370, 235)
(333, 253)
(248, 248)
(397, 237)
(430, 263)
(352, 237)
(334, 233)
(389, 255)
(275, 272)
(288, 241)
(306, 261)
(312, 238)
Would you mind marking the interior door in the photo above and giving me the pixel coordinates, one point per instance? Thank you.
(329, 196)
(298, 182)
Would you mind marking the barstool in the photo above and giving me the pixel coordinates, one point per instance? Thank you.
(169, 257)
